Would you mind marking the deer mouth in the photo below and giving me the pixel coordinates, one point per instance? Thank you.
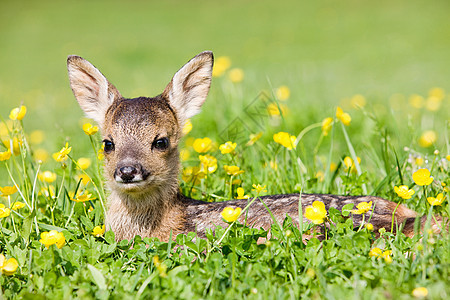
(134, 180)
(130, 174)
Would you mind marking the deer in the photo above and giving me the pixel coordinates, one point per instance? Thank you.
(141, 168)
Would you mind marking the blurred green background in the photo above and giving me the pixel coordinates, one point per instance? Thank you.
(322, 50)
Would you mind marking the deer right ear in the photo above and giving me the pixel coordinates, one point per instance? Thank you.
(190, 85)
(91, 89)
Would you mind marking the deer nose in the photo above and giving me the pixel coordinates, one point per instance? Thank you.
(129, 174)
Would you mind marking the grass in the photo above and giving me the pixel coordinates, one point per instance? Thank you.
(325, 52)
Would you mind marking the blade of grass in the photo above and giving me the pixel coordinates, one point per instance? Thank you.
(354, 157)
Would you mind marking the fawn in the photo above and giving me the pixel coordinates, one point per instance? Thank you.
(141, 137)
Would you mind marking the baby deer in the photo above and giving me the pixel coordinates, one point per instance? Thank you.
(141, 137)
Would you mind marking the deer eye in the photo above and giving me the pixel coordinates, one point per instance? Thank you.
(108, 146)
(161, 144)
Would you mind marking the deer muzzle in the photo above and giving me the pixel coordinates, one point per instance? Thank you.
(130, 173)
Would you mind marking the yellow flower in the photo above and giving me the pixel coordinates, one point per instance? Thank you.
(18, 113)
(362, 208)
(448, 157)
(327, 123)
(285, 139)
(37, 137)
(283, 93)
(333, 166)
(316, 212)
(8, 190)
(18, 205)
(369, 226)
(41, 155)
(320, 176)
(436, 201)
(419, 161)
(98, 230)
(85, 179)
(254, 137)
(221, 64)
(437, 92)
(52, 237)
(422, 177)
(230, 214)
(375, 252)
(192, 174)
(228, 147)
(4, 211)
(416, 101)
(236, 75)
(428, 138)
(349, 163)
(184, 154)
(101, 154)
(358, 101)
(233, 170)
(83, 163)
(8, 267)
(276, 110)
(433, 103)
(240, 193)
(5, 155)
(208, 163)
(273, 165)
(259, 189)
(343, 117)
(48, 192)
(187, 127)
(202, 145)
(236, 182)
(15, 143)
(162, 268)
(47, 176)
(89, 129)
(83, 197)
(420, 292)
(62, 154)
(404, 192)
(5, 128)
(189, 141)
(387, 256)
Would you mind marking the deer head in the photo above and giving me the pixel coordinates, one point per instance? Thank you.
(141, 135)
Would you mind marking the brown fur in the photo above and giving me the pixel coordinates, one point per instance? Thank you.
(142, 178)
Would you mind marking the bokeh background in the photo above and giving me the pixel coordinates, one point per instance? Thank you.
(324, 51)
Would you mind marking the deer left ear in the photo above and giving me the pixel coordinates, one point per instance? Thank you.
(92, 90)
(189, 87)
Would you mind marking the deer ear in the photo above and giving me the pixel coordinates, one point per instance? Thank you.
(189, 87)
(91, 89)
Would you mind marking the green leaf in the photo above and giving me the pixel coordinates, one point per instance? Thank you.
(347, 209)
(177, 270)
(50, 227)
(26, 226)
(87, 223)
(110, 237)
(98, 277)
(335, 214)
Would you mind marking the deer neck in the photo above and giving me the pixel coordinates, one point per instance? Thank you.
(154, 213)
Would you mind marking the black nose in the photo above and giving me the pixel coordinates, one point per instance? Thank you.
(129, 173)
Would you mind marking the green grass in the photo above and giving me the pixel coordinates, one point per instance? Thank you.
(324, 51)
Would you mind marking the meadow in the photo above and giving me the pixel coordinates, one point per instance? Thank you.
(359, 91)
